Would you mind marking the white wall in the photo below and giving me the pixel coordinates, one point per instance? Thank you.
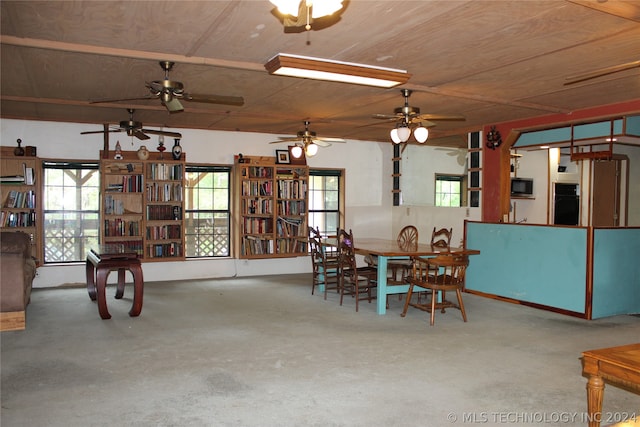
(368, 188)
(419, 165)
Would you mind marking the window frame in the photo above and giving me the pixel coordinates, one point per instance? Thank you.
(448, 177)
(210, 168)
(85, 240)
(339, 212)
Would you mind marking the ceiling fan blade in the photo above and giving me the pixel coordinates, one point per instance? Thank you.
(321, 143)
(601, 72)
(139, 134)
(436, 117)
(100, 131)
(137, 98)
(327, 139)
(286, 139)
(162, 132)
(387, 116)
(214, 99)
(173, 105)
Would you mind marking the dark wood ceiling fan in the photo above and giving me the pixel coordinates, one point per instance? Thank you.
(134, 128)
(601, 72)
(170, 92)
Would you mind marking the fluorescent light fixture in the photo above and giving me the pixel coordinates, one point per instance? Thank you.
(337, 71)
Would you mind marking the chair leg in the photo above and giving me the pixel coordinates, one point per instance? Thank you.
(461, 304)
(434, 297)
(406, 302)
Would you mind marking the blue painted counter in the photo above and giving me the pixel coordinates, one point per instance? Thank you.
(550, 266)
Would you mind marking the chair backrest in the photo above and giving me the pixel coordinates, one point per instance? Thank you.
(408, 238)
(446, 270)
(346, 253)
(314, 239)
(441, 238)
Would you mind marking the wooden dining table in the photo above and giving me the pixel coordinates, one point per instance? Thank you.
(386, 249)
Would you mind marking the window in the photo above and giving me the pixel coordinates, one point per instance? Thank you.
(207, 211)
(325, 199)
(450, 190)
(71, 203)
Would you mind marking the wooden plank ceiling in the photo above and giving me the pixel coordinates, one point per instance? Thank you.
(490, 61)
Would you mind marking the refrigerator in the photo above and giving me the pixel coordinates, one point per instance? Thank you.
(566, 207)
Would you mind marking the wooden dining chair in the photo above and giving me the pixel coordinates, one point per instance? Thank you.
(441, 238)
(407, 239)
(324, 262)
(438, 276)
(355, 281)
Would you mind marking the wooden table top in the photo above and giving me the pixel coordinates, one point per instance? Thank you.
(626, 356)
(388, 247)
(113, 251)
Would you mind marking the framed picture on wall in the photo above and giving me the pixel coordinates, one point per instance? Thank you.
(282, 157)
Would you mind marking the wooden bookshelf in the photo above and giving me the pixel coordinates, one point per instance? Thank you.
(271, 208)
(21, 197)
(142, 204)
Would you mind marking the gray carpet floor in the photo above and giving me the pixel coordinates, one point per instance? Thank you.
(263, 351)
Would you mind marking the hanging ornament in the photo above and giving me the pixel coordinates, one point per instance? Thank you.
(493, 138)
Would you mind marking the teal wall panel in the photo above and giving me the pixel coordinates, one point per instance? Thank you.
(633, 126)
(537, 264)
(616, 272)
(584, 131)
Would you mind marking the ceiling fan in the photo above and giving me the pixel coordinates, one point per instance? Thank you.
(307, 141)
(407, 115)
(134, 128)
(170, 92)
(601, 72)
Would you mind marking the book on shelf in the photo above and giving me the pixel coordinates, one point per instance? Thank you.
(8, 179)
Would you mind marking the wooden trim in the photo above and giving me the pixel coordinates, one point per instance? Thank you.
(528, 304)
(12, 321)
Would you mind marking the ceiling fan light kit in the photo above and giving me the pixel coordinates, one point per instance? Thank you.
(312, 9)
(308, 141)
(319, 8)
(307, 67)
(406, 116)
(421, 134)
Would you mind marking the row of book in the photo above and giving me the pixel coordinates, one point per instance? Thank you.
(129, 184)
(120, 227)
(21, 199)
(286, 246)
(290, 228)
(113, 206)
(252, 245)
(260, 172)
(257, 188)
(288, 207)
(163, 250)
(164, 192)
(17, 219)
(164, 171)
(257, 225)
(292, 189)
(163, 232)
(163, 212)
(257, 206)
